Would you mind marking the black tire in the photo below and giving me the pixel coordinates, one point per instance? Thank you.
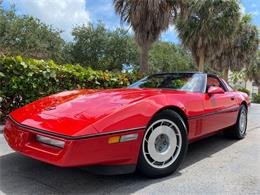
(237, 131)
(168, 120)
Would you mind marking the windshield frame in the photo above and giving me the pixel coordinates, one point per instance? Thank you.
(204, 87)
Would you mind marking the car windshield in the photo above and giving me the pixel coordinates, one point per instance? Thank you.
(193, 82)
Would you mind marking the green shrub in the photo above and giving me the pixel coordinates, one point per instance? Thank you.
(256, 99)
(25, 80)
(244, 90)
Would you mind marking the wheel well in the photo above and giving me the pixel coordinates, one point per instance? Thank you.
(244, 103)
(179, 111)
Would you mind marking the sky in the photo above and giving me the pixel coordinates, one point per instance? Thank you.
(66, 14)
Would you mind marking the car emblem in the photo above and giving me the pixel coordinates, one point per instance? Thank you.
(50, 108)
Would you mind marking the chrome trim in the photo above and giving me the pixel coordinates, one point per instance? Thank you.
(128, 137)
(72, 137)
(213, 113)
(50, 141)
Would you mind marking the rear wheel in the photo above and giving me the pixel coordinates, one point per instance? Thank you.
(164, 145)
(238, 131)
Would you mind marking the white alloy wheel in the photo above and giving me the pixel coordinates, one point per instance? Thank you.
(162, 143)
(242, 121)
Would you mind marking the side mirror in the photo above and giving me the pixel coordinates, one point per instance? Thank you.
(215, 90)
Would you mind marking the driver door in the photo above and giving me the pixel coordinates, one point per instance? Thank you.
(220, 109)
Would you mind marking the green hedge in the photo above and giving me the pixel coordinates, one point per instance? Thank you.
(256, 99)
(244, 90)
(25, 80)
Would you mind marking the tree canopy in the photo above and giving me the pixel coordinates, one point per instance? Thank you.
(28, 36)
(96, 46)
(240, 50)
(207, 26)
(168, 57)
(253, 71)
(212, 33)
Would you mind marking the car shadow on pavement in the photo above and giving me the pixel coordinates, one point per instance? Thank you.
(22, 175)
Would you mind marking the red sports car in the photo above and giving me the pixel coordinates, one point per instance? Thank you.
(146, 126)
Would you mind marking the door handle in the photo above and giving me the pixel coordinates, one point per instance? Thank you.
(232, 98)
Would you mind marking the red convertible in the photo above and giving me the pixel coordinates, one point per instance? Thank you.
(146, 126)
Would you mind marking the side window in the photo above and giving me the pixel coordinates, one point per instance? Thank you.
(212, 81)
(229, 88)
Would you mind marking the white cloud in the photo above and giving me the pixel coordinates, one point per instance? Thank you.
(62, 14)
(255, 13)
(242, 8)
(172, 28)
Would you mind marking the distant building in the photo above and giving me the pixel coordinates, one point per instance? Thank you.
(249, 85)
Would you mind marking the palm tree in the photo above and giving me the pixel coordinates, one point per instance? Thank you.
(241, 50)
(148, 19)
(207, 26)
(253, 71)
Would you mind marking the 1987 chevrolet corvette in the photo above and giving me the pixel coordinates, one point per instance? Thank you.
(146, 126)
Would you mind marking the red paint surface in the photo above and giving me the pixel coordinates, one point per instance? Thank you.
(88, 112)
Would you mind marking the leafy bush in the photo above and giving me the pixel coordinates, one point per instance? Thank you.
(256, 99)
(25, 80)
(244, 90)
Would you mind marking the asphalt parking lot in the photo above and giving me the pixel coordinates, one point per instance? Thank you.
(215, 165)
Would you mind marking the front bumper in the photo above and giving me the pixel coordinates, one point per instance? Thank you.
(80, 152)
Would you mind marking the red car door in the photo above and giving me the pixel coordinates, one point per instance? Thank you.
(220, 110)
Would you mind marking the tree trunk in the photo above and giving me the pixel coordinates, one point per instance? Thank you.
(225, 74)
(144, 58)
(201, 60)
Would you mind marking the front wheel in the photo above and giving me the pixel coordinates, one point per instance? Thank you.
(164, 145)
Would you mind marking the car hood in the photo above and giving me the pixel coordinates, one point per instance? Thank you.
(69, 112)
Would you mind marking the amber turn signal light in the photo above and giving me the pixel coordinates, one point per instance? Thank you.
(123, 138)
(114, 140)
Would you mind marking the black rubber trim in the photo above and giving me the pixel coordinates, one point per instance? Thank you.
(72, 137)
(110, 169)
(213, 113)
